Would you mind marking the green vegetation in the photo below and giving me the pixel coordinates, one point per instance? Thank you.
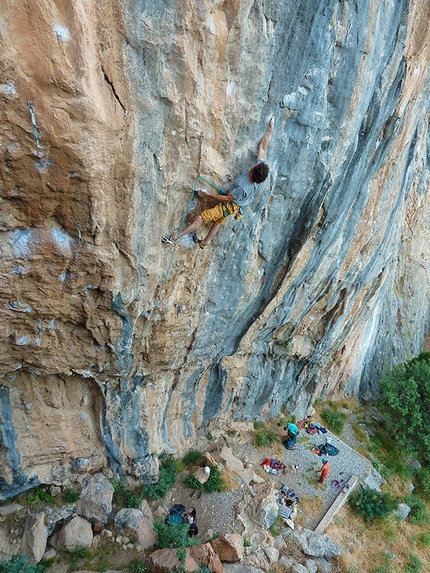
(123, 497)
(406, 401)
(372, 504)
(418, 510)
(136, 566)
(166, 480)
(192, 458)
(214, 484)
(276, 527)
(70, 495)
(173, 535)
(36, 496)
(335, 420)
(76, 556)
(413, 565)
(263, 437)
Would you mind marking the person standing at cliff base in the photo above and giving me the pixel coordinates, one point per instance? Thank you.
(293, 432)
(324, 471)
(242, 192)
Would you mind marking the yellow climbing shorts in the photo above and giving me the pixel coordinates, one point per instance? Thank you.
(219, 213)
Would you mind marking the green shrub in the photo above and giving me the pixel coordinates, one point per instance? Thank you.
(166, 480)
(136, 566)
(76, 555)
(413, 565)
(192, 458)
(372, 504)
(418, 509)
(45, 565)
(406, 401)
(17, 564)
(264, 438)
(422, 539)
(123, 497)
(70, 495)
(173, 535)
(423, 476)
(335, 420)
(39, 495)
(214, 484)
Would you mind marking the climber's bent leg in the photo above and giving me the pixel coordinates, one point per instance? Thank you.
(212, 232)
(193, 227)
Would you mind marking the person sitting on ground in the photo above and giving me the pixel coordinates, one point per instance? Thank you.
(190, 518)
(293, 432)
(242, 192)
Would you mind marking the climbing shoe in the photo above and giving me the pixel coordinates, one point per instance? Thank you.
(200, 244)
(169, 239)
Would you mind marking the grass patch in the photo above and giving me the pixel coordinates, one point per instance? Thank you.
(70, 495)
(263, 437)
(335, 421)
(36, 496)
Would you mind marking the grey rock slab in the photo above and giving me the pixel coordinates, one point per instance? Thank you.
(95, 502)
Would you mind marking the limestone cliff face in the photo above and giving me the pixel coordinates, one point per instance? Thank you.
(114, 346)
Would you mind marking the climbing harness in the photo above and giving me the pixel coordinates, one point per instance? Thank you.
(35, 129)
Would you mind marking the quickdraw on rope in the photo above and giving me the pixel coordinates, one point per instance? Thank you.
(35, 129)
(166, 275)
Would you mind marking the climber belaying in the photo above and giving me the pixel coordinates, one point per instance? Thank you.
(242, 192)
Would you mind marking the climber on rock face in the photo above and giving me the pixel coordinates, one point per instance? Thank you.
(242, 192)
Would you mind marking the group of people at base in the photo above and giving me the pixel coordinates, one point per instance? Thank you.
(178, 515)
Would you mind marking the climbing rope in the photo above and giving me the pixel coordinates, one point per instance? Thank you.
(35, 129)
(166, 275)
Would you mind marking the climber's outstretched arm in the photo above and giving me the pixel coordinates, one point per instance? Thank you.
(264, 143)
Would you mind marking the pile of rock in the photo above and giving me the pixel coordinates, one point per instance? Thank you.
(74, 526)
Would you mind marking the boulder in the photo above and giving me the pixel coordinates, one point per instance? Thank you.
(230, 460)
(146, 510)
(75, 534)
(133, 522)
(35, 536)
(279, 542)
(257, 558)
(166, 560)
(272, 554)
(316, 545)
(95, 502)
(311, 566)
(323, 565)
(56, 514)
(261, 509)
(200, 475)
(229, 547)
(205, 554)
(402, 512)
(299, 568)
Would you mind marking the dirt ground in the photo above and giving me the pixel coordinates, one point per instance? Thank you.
(216, 512)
